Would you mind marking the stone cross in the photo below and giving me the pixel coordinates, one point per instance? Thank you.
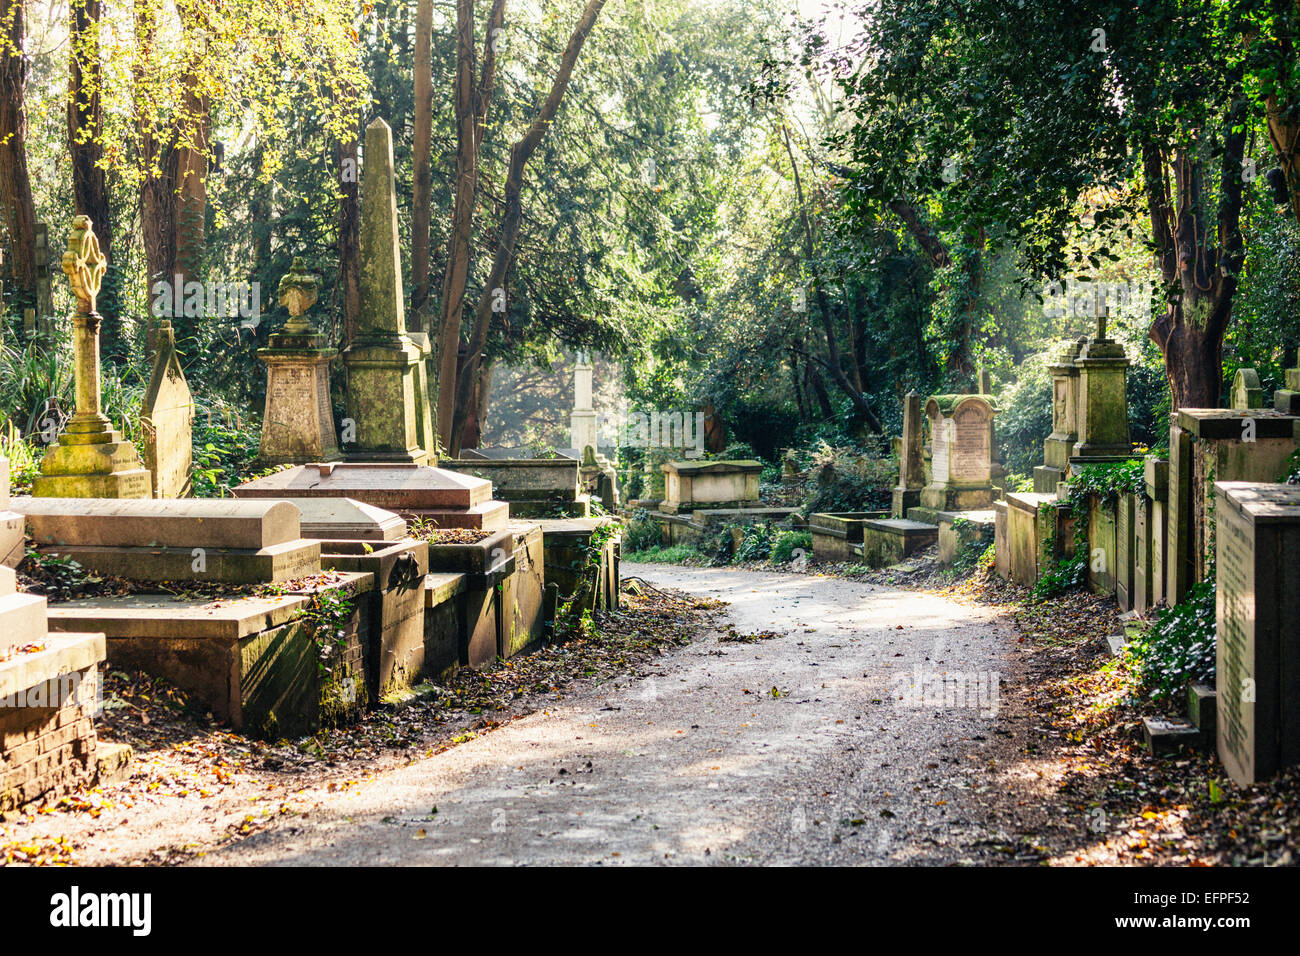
(85, 265)
(298, 294)
(382, 306)
(1099, 310)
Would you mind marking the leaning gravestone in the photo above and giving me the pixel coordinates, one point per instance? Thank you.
(167, 418)
(1258, 622)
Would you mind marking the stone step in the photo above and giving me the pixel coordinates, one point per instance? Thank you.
(113, 763)
(22, 620)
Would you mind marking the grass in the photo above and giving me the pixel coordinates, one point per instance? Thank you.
(677, 554)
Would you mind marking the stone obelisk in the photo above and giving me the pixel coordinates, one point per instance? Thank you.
(384, 393)
(91, 460)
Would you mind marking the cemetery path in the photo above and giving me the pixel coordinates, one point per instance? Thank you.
(789, 749)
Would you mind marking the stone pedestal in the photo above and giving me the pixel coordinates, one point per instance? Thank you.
(911, 464)
(1102, 411)
(383, 364)
(1258, 624)
(961, 459)
(1059, 445)
(91, 460)
(298, 425)
(1287, 400)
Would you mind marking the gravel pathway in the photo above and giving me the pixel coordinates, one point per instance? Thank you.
(790, 749)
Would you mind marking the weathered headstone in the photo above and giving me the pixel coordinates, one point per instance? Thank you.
(1258, 624)
(298, 425)
(911, 465)
(582, 421)
(381, 362)
(1246, 390)
(961, 453)
(91, 459)
(167, 418)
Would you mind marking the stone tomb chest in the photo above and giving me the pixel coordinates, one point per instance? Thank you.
(443, 498)
(230, 542)
(715, 484)
(533, 487)
(1258, 623)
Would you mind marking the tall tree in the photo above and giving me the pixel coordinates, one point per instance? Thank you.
(15, 180)
(494, 293)
(472, 100)
(422, 198)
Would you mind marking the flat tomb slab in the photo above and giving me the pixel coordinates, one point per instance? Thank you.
(1230, 423)
(61, 655)
(397, 487)
(159, 523)
(346, 519)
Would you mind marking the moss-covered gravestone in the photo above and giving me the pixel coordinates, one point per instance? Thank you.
(91, 459)
(298, 426)
(1059, 445)
(381, 362)
(1288, 399)
(1246, 390)
(1101, 412)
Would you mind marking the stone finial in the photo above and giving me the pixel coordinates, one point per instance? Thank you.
(84, 264)
(298, 293)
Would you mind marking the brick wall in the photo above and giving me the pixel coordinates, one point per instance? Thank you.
(46, 749)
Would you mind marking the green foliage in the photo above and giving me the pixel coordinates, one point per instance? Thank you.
(1025, 416)
(787, 541)
(224, 450)
(1106, 483)
(641, 534)
(326, 616)
(850, 479)
(1178, 650)
(58, 578)
(755, 542)
(675, 554)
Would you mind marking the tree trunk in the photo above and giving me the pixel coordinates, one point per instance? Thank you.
(157, 186)
(520, 152)
(15, 181)
(471, 117)
(422, 190)
(835, 366)
(1202, 273)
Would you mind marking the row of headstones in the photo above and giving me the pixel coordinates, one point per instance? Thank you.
(1215, 507)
